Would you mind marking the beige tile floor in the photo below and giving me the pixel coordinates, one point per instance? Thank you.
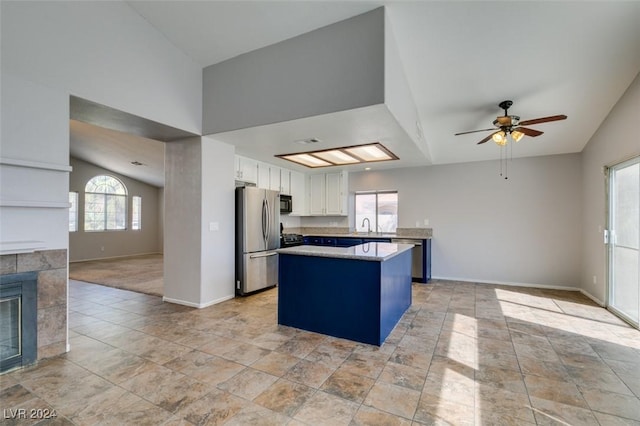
(463, 354)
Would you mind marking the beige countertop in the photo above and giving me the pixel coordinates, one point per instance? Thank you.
(376, 252)
(367, 235)
(345, 232)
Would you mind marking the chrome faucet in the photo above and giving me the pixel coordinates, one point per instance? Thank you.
(368, 224)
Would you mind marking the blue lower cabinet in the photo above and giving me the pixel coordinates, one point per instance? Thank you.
(348, 242)
(353, 299)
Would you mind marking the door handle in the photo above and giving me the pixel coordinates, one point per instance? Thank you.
(255, 256)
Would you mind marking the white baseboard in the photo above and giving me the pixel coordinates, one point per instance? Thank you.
(592, 297)
(197, 305)
(114, 257)
(509, 283)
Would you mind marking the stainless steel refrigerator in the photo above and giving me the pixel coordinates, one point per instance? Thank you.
(257, 238)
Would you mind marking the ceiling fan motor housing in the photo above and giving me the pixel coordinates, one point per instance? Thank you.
(506, 121)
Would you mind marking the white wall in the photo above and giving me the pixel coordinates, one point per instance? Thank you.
(100, 51)
(615, 140)
(96, 245)
(104, 52)
(199, 267)
(218, 209)
(524, 230)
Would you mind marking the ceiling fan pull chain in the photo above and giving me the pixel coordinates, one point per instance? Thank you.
(506, 175)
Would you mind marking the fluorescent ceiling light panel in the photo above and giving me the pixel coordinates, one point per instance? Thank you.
(336, 157)
(369, 153)
(342, 156)
(306, 160)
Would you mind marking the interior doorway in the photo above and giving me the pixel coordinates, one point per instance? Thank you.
(624, 240)
(115, 143)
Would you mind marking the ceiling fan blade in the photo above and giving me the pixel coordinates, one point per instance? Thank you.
(487, 138)
(474, 131)
(543, 120)
(528, 132)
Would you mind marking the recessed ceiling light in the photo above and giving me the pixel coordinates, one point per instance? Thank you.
(342, 156)
(367, 168)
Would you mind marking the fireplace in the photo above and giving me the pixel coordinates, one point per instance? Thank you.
(18, 320)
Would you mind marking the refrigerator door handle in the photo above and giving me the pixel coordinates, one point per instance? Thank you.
(264, 220)
(255, 256)
(268, 222)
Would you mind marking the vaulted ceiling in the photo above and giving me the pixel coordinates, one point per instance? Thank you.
(460, 59)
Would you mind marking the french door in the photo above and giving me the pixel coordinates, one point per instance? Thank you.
(624, 240)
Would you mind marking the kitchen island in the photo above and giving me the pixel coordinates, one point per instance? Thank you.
(358, 293)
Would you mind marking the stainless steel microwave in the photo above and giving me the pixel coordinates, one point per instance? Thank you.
(286, 205)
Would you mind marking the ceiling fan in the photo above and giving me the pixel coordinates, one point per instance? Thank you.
(511, 125)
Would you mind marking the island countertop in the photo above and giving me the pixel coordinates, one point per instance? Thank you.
(373, 251)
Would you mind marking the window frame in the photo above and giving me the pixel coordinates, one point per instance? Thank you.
(137, 212)
(74, 209)
(122, 199)
(374, 225)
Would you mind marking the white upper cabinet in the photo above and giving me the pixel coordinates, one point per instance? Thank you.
(246, 169)
(285, 181)
(274, 178)
(264, 176)
(298, 193)
(317, 193)
(328, 194)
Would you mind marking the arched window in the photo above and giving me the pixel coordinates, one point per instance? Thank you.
(105, 204)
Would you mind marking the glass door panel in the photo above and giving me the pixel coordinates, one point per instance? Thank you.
(624, 240)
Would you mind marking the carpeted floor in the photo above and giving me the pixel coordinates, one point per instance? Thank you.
(142, 274)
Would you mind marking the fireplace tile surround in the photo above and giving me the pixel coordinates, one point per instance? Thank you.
(51, 268)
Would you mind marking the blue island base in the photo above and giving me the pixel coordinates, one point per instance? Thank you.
(358, 300)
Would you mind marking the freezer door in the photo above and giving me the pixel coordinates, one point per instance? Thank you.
(258, 218)
(260, 270)
(273, 218)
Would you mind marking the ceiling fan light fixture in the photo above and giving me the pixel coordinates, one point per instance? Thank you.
(500, 138)
(516, 135)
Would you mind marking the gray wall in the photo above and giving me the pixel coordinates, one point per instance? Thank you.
(98, 245)
(199, 267)
(334, 68)
(524, 230)
(182, 233)
(615, 140)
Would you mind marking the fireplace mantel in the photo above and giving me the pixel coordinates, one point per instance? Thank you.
(17, 247)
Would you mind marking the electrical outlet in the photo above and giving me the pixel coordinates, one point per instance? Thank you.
(595, 279)
(417, 224)
(426, 222)
(214, 226)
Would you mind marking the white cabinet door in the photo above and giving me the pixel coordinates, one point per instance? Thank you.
(263, 176)
(236, 168)
(246, 169)
(336, 194)
(285, 181)
(317, 194)
(249, 169)
(298, 193)
(274, 178)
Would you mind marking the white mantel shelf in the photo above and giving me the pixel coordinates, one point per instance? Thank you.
(35, 204)
(35, 165)
(19, 247)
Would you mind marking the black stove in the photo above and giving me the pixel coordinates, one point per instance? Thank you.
(291, 240)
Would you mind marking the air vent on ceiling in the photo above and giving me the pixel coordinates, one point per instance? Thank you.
(308, 141)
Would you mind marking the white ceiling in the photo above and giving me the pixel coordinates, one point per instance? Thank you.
(460, 59)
